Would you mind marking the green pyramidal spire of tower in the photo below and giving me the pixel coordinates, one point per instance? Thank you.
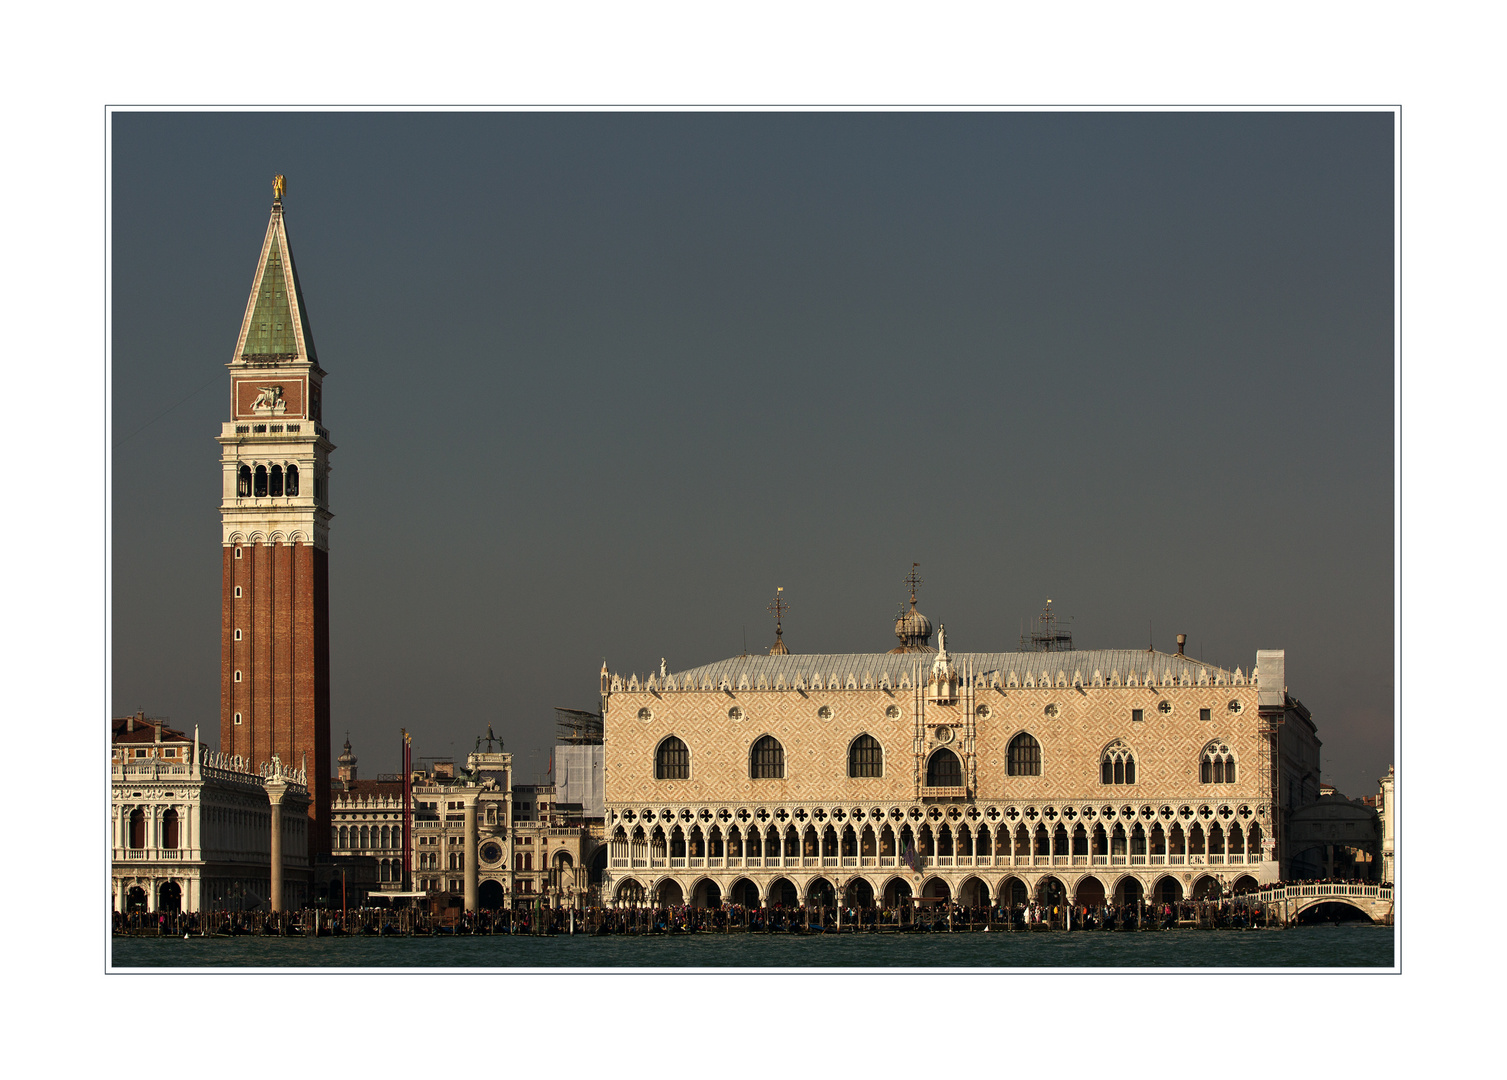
(277, 323)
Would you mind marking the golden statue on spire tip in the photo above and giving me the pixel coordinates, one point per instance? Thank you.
(279, 185)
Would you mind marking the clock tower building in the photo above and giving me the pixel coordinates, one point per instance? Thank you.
(274, 517)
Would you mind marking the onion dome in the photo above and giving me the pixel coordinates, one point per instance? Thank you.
(347, 758)
(914, 631)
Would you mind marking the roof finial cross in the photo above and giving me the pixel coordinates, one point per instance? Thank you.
(777, 608)
(913, 579)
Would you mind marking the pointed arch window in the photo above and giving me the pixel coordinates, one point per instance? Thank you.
(944, 770)
(1117, 766)
(1218, 765)
(865, 757)
(1024, 756)
(672, 761)
(767, 759)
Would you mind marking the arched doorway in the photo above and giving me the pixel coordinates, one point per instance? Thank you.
(669, 893)
(1090, 892)
(1129, 891)
(820, 893)
(1014, 892)
(596, 865)
(938, 890)
(1245, 883)
(859, 894)
(974, 893)
(1169, 890)
(489, 895)
(783, 893)
(629, 893)
(136, 899)
(707, 894)
(1050, 890)
(1206, 888)
(744, 892)
(897, 893)
(169, 896)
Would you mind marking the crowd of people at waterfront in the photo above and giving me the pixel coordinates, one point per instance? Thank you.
(1313, 881)
(1228, 912)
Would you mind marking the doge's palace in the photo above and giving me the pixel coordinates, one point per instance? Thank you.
(923, 774)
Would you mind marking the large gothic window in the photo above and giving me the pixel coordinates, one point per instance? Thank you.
(767, 760)
(865, 757)
(1218, 765)
(944, 770)
(1024, 756)
(672, 761)
(1117, 765)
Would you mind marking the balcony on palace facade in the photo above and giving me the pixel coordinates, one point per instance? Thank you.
(156, 854)
(149, 769)
(755, 862)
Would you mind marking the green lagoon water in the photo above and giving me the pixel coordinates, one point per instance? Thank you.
(1343, 945)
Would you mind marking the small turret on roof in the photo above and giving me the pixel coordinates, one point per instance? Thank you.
(911, 627)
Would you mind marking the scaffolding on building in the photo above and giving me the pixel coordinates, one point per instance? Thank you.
(1051, 633)
(577, 727)
(1269, 727)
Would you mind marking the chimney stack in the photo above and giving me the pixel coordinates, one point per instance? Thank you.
(1182, 639)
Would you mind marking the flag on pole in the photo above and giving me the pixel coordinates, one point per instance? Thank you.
(909, 857)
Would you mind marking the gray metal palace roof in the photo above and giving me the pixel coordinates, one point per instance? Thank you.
(1065, 668)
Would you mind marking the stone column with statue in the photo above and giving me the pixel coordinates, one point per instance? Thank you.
(277, 788)
(471, 854)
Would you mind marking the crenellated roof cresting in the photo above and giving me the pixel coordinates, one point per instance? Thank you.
(889, 671)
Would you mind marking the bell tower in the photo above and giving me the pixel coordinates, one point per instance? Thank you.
(274, 518)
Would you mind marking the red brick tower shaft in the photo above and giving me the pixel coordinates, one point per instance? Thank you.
(275, 642)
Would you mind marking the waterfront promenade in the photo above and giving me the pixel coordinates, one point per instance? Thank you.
(1275, 906)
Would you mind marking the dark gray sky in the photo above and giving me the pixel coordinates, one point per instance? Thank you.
(599, 383)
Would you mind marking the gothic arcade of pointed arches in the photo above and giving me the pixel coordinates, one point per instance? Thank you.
(1090, 851)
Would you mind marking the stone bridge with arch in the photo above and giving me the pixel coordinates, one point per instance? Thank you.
(1373, 901)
